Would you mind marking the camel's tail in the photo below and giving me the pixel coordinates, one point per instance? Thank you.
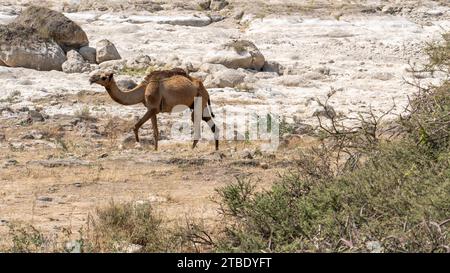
(203, 93)
(210, 109)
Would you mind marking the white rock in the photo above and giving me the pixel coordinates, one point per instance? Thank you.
(199, 75)
(204, 4)
(113, 65)
(434, 13)
(272, 66)
(22, 47)
(211, 68)
(106, 51)
(237, 54)
(140, 62)
(218, 4)
(185, 20)
(225, 78)
(75, 63)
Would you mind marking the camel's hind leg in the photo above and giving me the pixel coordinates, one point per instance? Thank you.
(194, 144)
(143, 120)
(155, 131)
(207, 118)
(213, 127)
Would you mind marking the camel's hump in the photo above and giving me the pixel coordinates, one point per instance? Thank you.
(162, 74)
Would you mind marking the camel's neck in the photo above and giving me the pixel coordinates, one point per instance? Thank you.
(130, 97)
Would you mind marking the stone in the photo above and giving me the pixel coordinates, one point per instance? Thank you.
(45, 199)
(237, 54)
(75, 63)
(247, 154)
(302, 128)
(22, 47)
(126, 83)
(434, 13)
(73, 246)
(374, 247)
(10, 162)
(204, 4)
(34, 134)
(53, 163)
(225, 78)
(53, 25)
(238, 15)
(106, 51)
(382, 76)
(89, 54)
(217, 5)
(35, 116)
(272, 66)
(140, 62)
(113, 65)
(391, 9)
(156, 199)
(327, 112)
(133, 248)
(211, 68)
(199, 75)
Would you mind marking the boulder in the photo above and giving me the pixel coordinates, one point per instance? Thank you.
(34, 116)
(89, 54)
(204, 4)
(140, 62)
(23, 47)
(217, 5)
(75, 63)
(53, 25)
(272, 66)
(199, 75)
(237, 54)
(125, 82)
(106, 51)
(225, 78)
(113, 65)
(211, 68)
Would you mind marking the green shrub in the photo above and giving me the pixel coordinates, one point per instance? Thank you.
(119, 224)
(398, 198)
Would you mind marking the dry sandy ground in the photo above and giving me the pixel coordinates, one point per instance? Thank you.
(69, 166)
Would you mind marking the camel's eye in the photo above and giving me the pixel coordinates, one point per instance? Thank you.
(103, 78)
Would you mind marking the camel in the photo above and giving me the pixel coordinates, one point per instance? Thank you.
(160, 92)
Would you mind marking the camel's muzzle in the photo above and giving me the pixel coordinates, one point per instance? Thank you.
(92, 80)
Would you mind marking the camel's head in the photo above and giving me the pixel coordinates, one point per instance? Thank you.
(103, 78)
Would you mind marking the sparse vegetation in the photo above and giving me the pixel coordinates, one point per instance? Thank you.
(12, 97)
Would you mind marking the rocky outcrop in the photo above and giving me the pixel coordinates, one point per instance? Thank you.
(53, 25)
(237, 54)
(23, 47)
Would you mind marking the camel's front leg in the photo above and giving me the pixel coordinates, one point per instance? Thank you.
(155, 131)
(143, 120)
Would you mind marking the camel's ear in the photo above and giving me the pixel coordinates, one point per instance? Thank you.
(110, 76)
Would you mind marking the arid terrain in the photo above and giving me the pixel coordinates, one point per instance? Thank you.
(67, 148)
